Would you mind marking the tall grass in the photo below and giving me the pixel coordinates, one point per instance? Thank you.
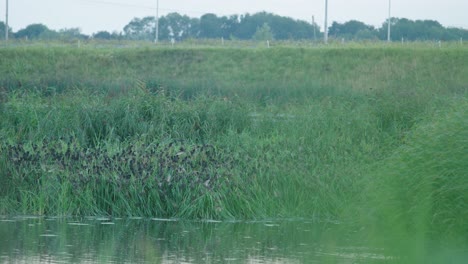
(254, 146)
(280, 74)
(60, 141)
(225, 133)
(423, 185)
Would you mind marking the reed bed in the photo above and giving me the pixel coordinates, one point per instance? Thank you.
(235, 133)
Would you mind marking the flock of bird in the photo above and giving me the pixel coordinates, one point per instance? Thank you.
(162, 165)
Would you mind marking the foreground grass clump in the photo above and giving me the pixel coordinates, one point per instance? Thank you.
(423, 186)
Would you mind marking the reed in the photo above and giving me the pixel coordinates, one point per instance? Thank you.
(230, 133)
(422, 185)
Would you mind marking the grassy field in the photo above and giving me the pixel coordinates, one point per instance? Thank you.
(340, 132)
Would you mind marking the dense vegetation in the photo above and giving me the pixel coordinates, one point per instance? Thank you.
(237, 133)
(263, 26)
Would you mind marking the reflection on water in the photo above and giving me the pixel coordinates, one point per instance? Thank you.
(136, 240)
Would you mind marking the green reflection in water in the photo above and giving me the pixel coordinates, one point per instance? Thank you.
(71, 240)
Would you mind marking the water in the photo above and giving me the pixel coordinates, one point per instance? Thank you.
(138, 240)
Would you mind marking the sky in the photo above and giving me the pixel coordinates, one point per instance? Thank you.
(92, 16)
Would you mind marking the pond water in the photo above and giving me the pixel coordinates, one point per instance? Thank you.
(138, 240)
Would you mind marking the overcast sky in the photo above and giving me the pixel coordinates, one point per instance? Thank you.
(112, 15)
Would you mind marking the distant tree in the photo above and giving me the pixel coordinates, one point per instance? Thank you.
(281, 27)
(102, 35)
(263, 33)
(288, 28)
(230, 26)
(33, 31)
(49, 35)
(352, 29)
(366, 34)
(106, 35)
(2, 30)
(211, 26)
(180, 27)
(71, 34)
(410, 30)
(164, 33)
(457, 33)
(247, 26)
(316, 31)
(142, 28)
(194, 30)
(170, 26)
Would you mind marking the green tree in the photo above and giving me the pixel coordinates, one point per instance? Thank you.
(211, 26)
(281, 27)
(366, 34)
(246, 28)
(34, 31)
(102, 35)
(170, 26)
(352, 29)
(418, 30)
(141, 28)
(457, 33)
(180, 27)
(2, 30)
(263, 33)
(194, 30)
(71, 34)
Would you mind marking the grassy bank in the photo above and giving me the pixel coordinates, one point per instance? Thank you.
(232, 133)
(282, 74)
(423, 183)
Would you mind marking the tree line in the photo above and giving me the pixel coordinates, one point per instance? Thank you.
(258, 26)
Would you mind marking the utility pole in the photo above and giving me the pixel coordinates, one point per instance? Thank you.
(6, 22)
(313, 24)
(156, 37)
(325, 39)
(389, 22)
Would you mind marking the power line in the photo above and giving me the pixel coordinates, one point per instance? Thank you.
(118, 4)
(192, 11)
